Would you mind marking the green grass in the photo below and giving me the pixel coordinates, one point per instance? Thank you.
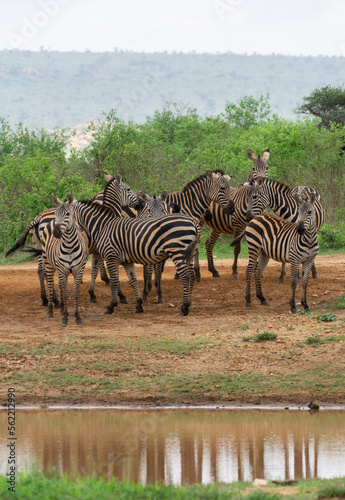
(38, 486)
(176, 347)
(261, 337)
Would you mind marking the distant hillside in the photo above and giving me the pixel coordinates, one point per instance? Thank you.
(63, 89)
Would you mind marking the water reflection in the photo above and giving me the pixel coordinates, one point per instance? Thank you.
(180, 446)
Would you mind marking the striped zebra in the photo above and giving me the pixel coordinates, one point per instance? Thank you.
(269, 236)
(65, 249)
(259, 165)
(196, 196)
(282, 200)
(155, 206)
(247, 205)
(125, 197)
(144, 241)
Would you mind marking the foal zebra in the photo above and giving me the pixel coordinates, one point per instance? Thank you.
(144, 241)
(196, 196)
(247, 205)
(282, 200)
(269, 236)
(65, 249)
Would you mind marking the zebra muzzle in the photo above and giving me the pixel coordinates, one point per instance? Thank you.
(230, 208)
(57, 231)
(300, 229)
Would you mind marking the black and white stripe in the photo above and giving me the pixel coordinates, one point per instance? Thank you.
(269, 236)
(65, 249)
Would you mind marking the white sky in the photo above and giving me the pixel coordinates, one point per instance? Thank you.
(291, 27)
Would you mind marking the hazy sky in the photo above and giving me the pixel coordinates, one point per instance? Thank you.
(291, 27)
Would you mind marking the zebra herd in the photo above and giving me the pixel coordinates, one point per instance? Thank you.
(120, 227)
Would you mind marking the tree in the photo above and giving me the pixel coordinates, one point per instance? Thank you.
(327, 103)
(248, 111)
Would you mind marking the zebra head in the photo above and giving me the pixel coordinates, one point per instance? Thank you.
(220, 191)
(154, 206)
(117, 194)
(256, 203)
(259, 166)
(64, 214)
(306, 212)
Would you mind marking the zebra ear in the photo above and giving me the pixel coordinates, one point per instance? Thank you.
(118, 178)
(251, 155)
(298, 198)
(144, 196)
(227, 177)
(258, 181)
(163, 195)
(312, 197)
(266, 154)
(107, 176)
(69, 198)
(56, 200)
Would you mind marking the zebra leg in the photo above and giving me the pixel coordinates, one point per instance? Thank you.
(282, 274)
(237, 250)
(253, 257)
(129, 268)
(63, 285)
(94, 271)
(209, 245)
(158, 281)
(262, 263)
(103, 271)
(113, 268)
(308, 264)
(147, 273)
(50, 282)
(184, 274)
(197, 266)
(294, 281)
(77, 281)
(314, 271)
(41, 277)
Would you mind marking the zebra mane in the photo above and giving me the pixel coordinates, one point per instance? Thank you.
(201, 177)
(102, 209)
(285, 188)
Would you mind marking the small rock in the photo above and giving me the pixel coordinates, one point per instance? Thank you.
(171, 304)
(260, 482)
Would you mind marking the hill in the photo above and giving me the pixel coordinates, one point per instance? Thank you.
(63, 89)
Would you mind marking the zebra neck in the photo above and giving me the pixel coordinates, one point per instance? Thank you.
(113, 204)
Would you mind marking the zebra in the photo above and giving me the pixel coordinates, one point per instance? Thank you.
(281, 199)
(269, 236)
(126, 241)
(248, 204)
(196, 196)
(36, 228)
(154, 207)
(65, 249)
(259, 166)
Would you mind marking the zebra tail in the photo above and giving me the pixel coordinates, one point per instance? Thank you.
(34, 251)
(189, 252)
(238, 239)
(18, 244)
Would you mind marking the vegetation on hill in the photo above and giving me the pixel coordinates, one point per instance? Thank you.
(170, 148)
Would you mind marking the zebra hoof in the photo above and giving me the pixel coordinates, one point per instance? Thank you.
(264, 303)
(249, 304)
(197, 279)
(109, 310)
(215, 274)
(176, 277)
(144, 300)
(50, 315)
(315, 276)
(160, 300)
(139, 310)
(280, 280)
(93, 300)
(184, 310)
(293, 310)
(79, 321)
(234, 276)
(123, 300)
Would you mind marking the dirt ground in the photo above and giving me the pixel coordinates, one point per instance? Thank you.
(218, 313)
